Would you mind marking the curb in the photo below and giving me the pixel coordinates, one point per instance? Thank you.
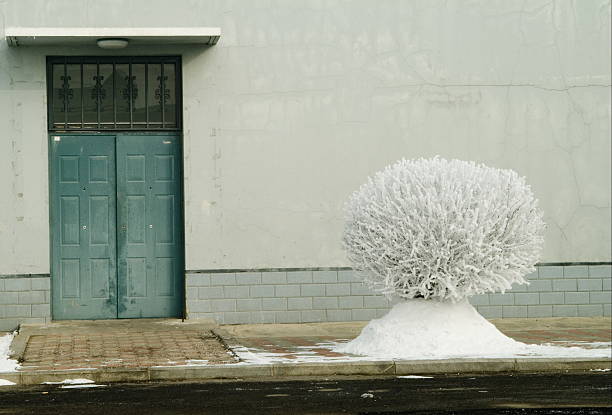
(282, 371)
(18, 346)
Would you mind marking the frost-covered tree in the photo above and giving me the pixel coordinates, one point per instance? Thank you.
(443, 229)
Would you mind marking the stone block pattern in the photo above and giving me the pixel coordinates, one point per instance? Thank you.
(24, 299)
(328, 295)
(282, 297)
(553, 291)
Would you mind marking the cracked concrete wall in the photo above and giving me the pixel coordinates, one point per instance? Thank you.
(300, 101)
(24, 218)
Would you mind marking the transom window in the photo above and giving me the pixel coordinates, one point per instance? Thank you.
(114, 93)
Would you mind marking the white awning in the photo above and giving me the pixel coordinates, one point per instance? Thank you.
(88, 36)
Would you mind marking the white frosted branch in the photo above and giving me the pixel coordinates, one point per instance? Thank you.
(435, 228)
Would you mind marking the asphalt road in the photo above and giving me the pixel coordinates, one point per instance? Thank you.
(504, 394)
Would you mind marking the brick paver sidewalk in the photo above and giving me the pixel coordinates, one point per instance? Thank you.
(122, 344)
(143, 349)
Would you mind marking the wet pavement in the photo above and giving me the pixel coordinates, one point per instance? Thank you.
(509, 394)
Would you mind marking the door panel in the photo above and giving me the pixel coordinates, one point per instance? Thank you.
(83, 210)
(150, 226)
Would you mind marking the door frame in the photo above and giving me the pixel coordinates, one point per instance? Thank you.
(51, 189)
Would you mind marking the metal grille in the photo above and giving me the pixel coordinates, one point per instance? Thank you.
(114, 93)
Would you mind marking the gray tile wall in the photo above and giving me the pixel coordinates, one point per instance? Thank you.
(281, 297)
(314, 296)
(554, 291)
(24, 300)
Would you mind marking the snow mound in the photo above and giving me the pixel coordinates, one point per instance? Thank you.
(429, 329)
(6, 364)
(4, 382)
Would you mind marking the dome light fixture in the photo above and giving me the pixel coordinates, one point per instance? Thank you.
(112, 43)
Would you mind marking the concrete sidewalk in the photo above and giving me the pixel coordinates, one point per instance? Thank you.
(167, 349)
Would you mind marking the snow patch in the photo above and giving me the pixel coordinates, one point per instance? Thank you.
(188, 363)
(367, 395)
(430, 329)
(589, 345)
(80, 381)
(414, 377)
(6, 364)
(254, 356)
(82, 386)
(196, 362)
(4, 382)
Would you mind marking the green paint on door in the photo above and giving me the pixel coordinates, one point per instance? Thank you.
(99, 182)
(150, 226)
(83, 208)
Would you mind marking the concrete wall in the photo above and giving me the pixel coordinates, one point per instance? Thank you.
(300, 101)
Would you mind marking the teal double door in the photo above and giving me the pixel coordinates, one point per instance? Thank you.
(116, 226)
